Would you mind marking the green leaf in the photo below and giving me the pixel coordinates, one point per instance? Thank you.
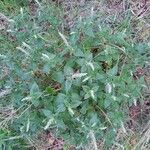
(46, 68)
(79, 53)
(35, 94)
(75, 100)
(47, 113)
(107, 102)
(50, 90)
(95, 88)
(60, 108)
(34, 89)
(85, 88)
(61, 98)
(101, 77)
(61, 102)
(59, 77)
(68, 84)
(89, 32)
(87, 95)
(94, 119)
(113, 71)
(35, 101)
(85, 107)
(61, 124)
(116, 116)
(68, 70)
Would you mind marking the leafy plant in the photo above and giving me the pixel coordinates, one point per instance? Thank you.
(72, 82)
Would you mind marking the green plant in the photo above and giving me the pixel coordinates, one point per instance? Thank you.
(12, 6)
(73, 82)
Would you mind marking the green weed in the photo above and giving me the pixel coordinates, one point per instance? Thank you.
(71, 82)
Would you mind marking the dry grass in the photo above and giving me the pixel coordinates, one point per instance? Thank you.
(128, 140)
(7, 114)
(144, 141)
(109, 11)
